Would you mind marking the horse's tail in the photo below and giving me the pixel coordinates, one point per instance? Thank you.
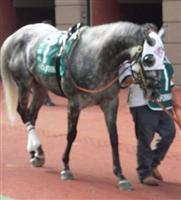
(9, 85)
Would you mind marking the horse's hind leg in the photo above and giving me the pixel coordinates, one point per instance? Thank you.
(34, 146)
(73, 115)
(29, 116)
(110, 112)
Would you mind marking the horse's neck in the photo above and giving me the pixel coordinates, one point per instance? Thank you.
(106, 44)
(120, 36)
(118, 49)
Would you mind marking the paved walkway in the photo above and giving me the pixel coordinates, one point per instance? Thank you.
(91, 160)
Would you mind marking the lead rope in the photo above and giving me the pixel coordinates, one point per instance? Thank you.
(97, 90)
(174, 118)
(92, 91)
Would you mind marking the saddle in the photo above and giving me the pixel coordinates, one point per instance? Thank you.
(51, 52)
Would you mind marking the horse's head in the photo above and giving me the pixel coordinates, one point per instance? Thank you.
(149, 63)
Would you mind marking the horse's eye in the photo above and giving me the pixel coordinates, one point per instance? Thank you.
(148, 60)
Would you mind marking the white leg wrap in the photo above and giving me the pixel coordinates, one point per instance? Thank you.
(33, 140)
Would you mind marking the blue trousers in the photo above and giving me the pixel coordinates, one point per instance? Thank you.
(147, 123)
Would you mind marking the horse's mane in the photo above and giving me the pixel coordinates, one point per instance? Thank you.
(114, 38)
(100, 46)
(104, 47)
(117, 30)
(124, 32)
(111, 37)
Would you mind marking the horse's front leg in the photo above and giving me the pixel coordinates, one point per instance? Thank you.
(73, 115)
(110, 109)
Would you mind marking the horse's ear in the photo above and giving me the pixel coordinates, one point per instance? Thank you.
(162, 31)
(147, 28)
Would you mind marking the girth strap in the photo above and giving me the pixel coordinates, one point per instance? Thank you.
(69, 42)
(57, 70)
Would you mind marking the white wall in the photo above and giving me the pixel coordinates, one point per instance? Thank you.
(70, 12)
(172, 18)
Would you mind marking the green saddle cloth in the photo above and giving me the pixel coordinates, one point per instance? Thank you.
(48, 49)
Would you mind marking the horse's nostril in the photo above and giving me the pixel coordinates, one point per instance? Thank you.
(155, 94)
(153, 84)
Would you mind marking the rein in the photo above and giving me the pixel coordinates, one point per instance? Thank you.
(97, 90)
(92, 91)
(69, 64)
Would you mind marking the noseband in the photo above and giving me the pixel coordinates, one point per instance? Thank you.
(139, 77)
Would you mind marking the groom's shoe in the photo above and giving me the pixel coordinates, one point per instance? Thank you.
(150, 180)
(157, 174)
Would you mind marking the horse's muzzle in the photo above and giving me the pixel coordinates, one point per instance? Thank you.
(154, 86)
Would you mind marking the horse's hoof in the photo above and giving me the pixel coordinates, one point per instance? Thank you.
(37, 162)
(66, 175)
(125, 185)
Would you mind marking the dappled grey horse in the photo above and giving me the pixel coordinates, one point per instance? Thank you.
(89, 77)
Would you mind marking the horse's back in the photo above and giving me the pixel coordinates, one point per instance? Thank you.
(18, 48)
(28, 35)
